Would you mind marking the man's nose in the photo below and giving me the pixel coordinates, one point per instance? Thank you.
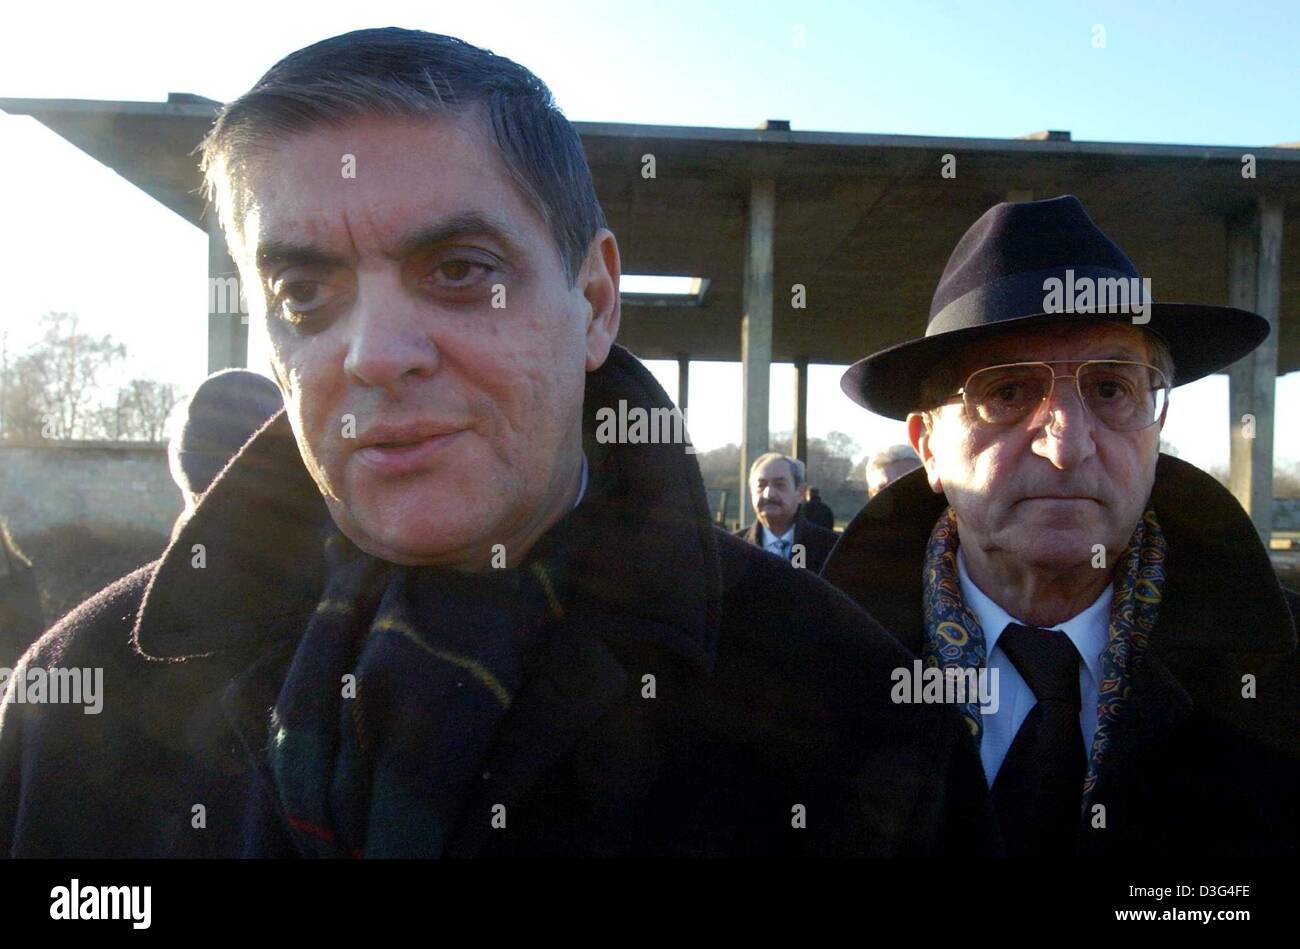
(389, 338)
(1067, 428)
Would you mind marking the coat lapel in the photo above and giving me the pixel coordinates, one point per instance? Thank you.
(249, 566)
(247, 702)
(648, 502)
(578, 679)
(1158, 703)
(877, 560)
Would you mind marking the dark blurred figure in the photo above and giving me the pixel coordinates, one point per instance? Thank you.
(21, 620)
(224, 412)
(816, 511)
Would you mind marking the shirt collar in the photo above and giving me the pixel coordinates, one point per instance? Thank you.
(769, 538)
(1088, 630)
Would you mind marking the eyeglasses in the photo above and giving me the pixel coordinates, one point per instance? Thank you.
(1124, 396)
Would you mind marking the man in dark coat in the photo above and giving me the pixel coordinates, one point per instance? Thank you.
(817, 512)
(776, 482)
(1144, 651)
(426, 610)
(222, 414)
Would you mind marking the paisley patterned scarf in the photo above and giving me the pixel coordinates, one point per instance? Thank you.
(954, 639)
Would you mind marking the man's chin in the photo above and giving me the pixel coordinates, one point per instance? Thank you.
(1055, 548)
(413, 548)
(421, 536)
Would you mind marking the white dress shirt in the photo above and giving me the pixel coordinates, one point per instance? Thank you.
(1089, 631)
(775, 544)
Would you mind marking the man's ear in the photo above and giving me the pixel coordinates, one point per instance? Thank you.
(599, 283)
(919, 429)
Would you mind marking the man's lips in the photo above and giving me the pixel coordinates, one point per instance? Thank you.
(399, 449)
(409, 433)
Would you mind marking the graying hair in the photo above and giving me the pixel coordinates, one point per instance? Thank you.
(409, 74)
(797, 469)
(894, 453)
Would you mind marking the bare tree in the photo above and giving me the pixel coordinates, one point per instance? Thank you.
(50, 391)
(27, 404)
(143, 406)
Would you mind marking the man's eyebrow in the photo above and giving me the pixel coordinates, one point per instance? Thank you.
(273, 252)
(469, 224)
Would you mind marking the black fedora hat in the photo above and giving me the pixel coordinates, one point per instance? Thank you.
(1022, 265)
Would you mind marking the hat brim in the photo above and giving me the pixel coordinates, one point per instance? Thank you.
(1202, 339)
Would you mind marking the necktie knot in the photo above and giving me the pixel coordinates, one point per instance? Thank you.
(1047, 659)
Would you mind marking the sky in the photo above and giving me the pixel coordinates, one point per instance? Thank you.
(75, 236)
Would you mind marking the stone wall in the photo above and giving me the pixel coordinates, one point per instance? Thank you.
(91, 484)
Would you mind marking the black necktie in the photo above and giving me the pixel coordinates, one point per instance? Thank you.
(1039, 787)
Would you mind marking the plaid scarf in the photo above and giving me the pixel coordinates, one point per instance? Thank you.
(954, 639)
(393, 697)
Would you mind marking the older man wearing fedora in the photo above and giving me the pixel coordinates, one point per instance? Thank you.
(1144, 650)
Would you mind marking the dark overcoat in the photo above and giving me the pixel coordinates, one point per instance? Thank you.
(1206, 761)
(817, 541)
(767, 727)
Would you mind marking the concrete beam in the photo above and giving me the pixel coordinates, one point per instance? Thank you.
(1254, 283)
(227, 324)
(756, 330)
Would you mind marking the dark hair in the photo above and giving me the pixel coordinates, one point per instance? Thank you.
(405, 74)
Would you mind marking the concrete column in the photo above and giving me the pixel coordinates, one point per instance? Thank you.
(683, 383)
(227, 325)
(1254, 283)
(800, 440)
(756, 330)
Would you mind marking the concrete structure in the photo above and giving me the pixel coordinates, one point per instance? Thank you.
(105, 485)
(822, 247)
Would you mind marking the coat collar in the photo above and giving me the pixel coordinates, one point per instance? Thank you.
(1221, 592)
(248, 568)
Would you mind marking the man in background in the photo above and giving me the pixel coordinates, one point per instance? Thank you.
(816, 511)
(224, 412)
(886, 467)
(776, 483)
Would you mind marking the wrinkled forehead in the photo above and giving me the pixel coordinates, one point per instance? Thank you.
(385, 175)
(1058, 344)
(775, 470)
